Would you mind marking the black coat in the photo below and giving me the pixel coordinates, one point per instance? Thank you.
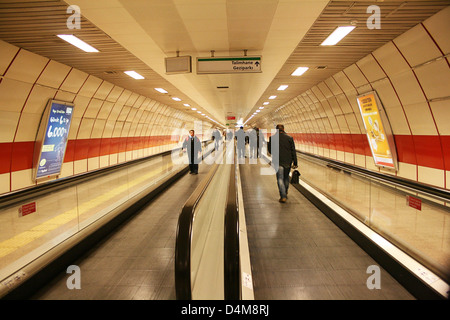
(193, 147)
(282, 148)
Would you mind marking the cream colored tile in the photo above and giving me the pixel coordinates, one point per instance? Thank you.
(105, 110)
(355, 75)
(38, 99)
(390, 60)
(28, 127)
(7, 54)
(4, 183)
(104, 90)
(66, 169)
(113, 159)
(114, 95)
(13, 94)
(370, 164)
(407, 171)
(26, 67)
(104, 161)
(407, 88)
(370, 68)
(93, 163)
(447, 179)
(74, 81)
(98, 129)
(431, 176)
(81, 104)
(54, 74)
(109, 128)
(93, 108)
(360, 160)
(21, 179)
(74, 125)
(132, 99)
(416, 46)
(397, 120)
(124, 97)
(332, 86)
(420, 119)
(343, 101)
(439, 28)
(84, 132)
(343, 127)
(8, 125)
(340, 155)
(433, 85)
(118, 129)
(441, 113)
(386, 93)
(349, 157)
(65, 96)
(90, 86)
(80, 166)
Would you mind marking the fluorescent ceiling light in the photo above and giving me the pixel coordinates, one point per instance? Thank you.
(272, 97)
(134, 75)
(265, 103)
(299, 71)
(261, 108)
(282, 87)
(77, 42)
(176, 99)
(186, 104)
(161, 90)
(258, 111)
(337, 35)
(194, 109)
(199, 112)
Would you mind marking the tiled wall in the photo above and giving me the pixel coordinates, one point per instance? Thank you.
(411, 75)
(110, 124)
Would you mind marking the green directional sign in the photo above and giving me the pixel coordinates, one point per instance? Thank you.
(228, 65)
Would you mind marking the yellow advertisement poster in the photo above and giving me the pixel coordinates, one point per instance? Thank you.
(376, 132)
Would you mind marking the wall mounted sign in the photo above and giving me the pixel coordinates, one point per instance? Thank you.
(51, 140)
(378, 130)
(228, 65)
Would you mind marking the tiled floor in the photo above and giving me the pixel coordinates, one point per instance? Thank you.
(298, 253)
(137, 260)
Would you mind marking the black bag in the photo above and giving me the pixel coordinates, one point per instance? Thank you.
(295, 177)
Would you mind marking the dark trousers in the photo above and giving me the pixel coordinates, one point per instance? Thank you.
(193, 167)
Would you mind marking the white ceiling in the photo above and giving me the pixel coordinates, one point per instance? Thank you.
(154, 29)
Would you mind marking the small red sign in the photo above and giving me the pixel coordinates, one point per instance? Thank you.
(231, 118)
(26, 209)
(414, 202)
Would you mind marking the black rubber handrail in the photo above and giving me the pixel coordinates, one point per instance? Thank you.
(232, 288)
(62, 183)
(184, 236)
(434, 191)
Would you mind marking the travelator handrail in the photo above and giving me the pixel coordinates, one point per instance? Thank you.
(434, 192)
(44, 188)
(184, 237)
(183, 284)
(232, 279)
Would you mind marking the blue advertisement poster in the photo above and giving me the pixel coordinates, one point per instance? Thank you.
(53, 145)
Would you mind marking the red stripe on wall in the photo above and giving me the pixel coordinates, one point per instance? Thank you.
(5, 157)
(427, 151)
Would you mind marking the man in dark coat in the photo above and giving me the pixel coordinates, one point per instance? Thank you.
(282, 148)
(193, 146)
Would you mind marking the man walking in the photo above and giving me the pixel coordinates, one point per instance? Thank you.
(193, 146)
(282, 148)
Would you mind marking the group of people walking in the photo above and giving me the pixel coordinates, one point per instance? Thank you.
(281, 147)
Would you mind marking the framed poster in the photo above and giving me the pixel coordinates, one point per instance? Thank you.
(51, 140)
(378, 130)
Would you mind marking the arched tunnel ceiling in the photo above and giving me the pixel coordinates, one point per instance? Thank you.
(139, 34)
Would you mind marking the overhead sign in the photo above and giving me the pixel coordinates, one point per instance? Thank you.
(231, 118)
(378, 130)
(51, 142)
(228, 65)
